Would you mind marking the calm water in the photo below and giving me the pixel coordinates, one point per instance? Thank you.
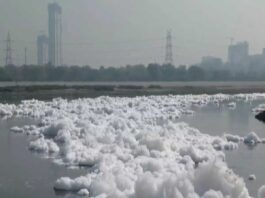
(23, 174)
(216, 120)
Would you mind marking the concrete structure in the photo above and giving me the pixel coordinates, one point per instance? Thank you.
(256, 62)
(42, 49)
(55, 34)
(238, 53)
(240, 60)
(210, 63)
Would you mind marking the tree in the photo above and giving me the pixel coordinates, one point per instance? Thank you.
(154, 71)
(196, 73)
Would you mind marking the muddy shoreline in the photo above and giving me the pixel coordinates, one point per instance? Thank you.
(71, 91)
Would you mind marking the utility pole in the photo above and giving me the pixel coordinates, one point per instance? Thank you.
(8, 50)
(26, 56)
(169, 51)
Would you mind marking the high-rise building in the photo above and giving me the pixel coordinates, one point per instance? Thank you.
(55, 34)
(42, 49)
(238, 53)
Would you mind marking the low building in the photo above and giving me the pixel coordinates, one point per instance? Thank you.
(238, 54)
(211, 63)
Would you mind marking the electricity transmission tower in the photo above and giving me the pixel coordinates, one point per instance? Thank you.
(8, 50)
(169, 51)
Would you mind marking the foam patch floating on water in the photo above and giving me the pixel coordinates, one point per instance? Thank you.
(252, 139)
(231, 105)
(16, 129)
(135, 146)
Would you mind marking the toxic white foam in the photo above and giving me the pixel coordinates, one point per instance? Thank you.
(136, 147)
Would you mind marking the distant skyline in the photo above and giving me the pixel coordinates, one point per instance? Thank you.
(120, 32)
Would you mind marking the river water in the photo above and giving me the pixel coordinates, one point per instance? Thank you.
(24, 174)
(217, 120)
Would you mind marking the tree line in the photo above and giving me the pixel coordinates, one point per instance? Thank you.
(151, 72)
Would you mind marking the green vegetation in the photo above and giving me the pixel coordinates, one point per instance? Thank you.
(152, 72)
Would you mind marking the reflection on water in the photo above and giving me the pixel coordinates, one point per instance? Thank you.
(216, 120)
(21, 173)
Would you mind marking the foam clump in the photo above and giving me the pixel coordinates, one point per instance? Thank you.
(259, 109)
(233, 138)
(231, 105)
(213, 194)
(209, 179)
(83, 192)
(135, 147)
(220, 144)
(42, 145)
(214, 175)
(6, 110)
(252, 139)
(67, 184)
(16, 129)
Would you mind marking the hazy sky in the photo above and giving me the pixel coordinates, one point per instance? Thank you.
(120, 32)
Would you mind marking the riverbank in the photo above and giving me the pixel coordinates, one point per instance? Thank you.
(71, 90)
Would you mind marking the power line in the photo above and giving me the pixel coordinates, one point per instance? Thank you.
(122, 47)
(189, 42)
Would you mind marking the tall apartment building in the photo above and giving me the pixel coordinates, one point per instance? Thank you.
(55, 34)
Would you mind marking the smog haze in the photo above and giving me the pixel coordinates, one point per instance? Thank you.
(121, 32)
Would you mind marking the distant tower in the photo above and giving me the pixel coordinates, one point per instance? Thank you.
(169, 51)
(9, 60)
(55, 34)
(42, 49)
